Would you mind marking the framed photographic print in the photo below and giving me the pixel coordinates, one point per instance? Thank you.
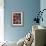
(17, 18)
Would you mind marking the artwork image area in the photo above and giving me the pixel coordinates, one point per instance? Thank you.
(17, 18)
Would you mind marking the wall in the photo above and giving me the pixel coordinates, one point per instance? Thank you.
(1, 20)
(29, 7)
(43, 6)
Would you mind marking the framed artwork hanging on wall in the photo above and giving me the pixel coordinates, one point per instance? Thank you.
(17, 18)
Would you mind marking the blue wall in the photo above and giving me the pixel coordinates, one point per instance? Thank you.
(29, 7)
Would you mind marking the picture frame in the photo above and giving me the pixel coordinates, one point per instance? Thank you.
(17, 18)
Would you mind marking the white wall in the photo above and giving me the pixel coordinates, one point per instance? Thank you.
(1, 20)
(43, 6)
